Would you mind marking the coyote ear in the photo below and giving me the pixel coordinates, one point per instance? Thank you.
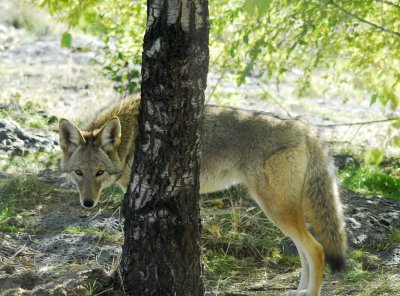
(70, 136)
(109, 136)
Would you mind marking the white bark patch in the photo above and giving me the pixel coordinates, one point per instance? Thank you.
(137, 233)
(142, 200)
(149, 128)
(198, 18)
(162, 213)
(173, 11)
(154, 48)
(155, 148)
(154, 13)
(151, 217)
(185, 17)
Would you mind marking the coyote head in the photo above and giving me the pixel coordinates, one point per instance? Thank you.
(91, 158)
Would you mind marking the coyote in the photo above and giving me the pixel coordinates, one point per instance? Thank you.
(281, 161)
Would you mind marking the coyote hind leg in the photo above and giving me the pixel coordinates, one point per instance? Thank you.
(292, 223)
(281, 198)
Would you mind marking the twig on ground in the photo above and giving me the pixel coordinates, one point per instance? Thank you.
(359, 123)
(19, 251)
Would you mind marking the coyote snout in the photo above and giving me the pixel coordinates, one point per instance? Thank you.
(89, 187)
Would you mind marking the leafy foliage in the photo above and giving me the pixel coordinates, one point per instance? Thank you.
(121, 25)
(353, 41)
(345, 43)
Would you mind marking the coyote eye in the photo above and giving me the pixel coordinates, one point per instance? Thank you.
(99, 172)
(79, 172)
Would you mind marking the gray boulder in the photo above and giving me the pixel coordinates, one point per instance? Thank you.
(15, 141)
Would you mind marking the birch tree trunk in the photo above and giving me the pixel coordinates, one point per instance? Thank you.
(162, 253)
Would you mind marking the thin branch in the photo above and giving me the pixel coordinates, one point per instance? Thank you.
(359, 123)
(389, 3)
(263, 88)
(394, 33)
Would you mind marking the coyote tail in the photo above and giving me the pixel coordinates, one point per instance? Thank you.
(327, 221)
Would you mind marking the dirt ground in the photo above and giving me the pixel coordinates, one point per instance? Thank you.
(63, 249)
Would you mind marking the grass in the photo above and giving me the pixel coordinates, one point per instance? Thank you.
(28, 114)
(22, 189)
(30, 163)
(373, 180)
(391, 240)
(18, 194)
(238, 238)
(114, 238)
(225, 266)
(239, 227)
(111, 197)
(394, 237)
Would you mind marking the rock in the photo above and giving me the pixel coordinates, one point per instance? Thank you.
(369, 220)
(343, 161)
(369, 223)
(15, 141)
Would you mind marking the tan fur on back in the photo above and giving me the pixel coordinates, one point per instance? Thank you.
(127, 111)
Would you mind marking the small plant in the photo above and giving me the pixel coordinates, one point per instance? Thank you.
(226, 266)
(7, 213)
(357, 274)
(394, 237)
(91, 287)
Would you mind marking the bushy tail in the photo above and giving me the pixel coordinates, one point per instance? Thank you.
(327, 220)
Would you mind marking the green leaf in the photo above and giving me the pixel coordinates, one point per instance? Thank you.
(374, 156)
(374, 97)
(66, 40)
(263, 6)
(396, 141)
(396, 124)
(250, 7)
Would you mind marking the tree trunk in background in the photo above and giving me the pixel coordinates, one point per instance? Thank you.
(162, 253)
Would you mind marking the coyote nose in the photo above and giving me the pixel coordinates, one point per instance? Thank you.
(88, 203)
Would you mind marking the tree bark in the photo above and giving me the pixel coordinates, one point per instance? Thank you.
(162, 253)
